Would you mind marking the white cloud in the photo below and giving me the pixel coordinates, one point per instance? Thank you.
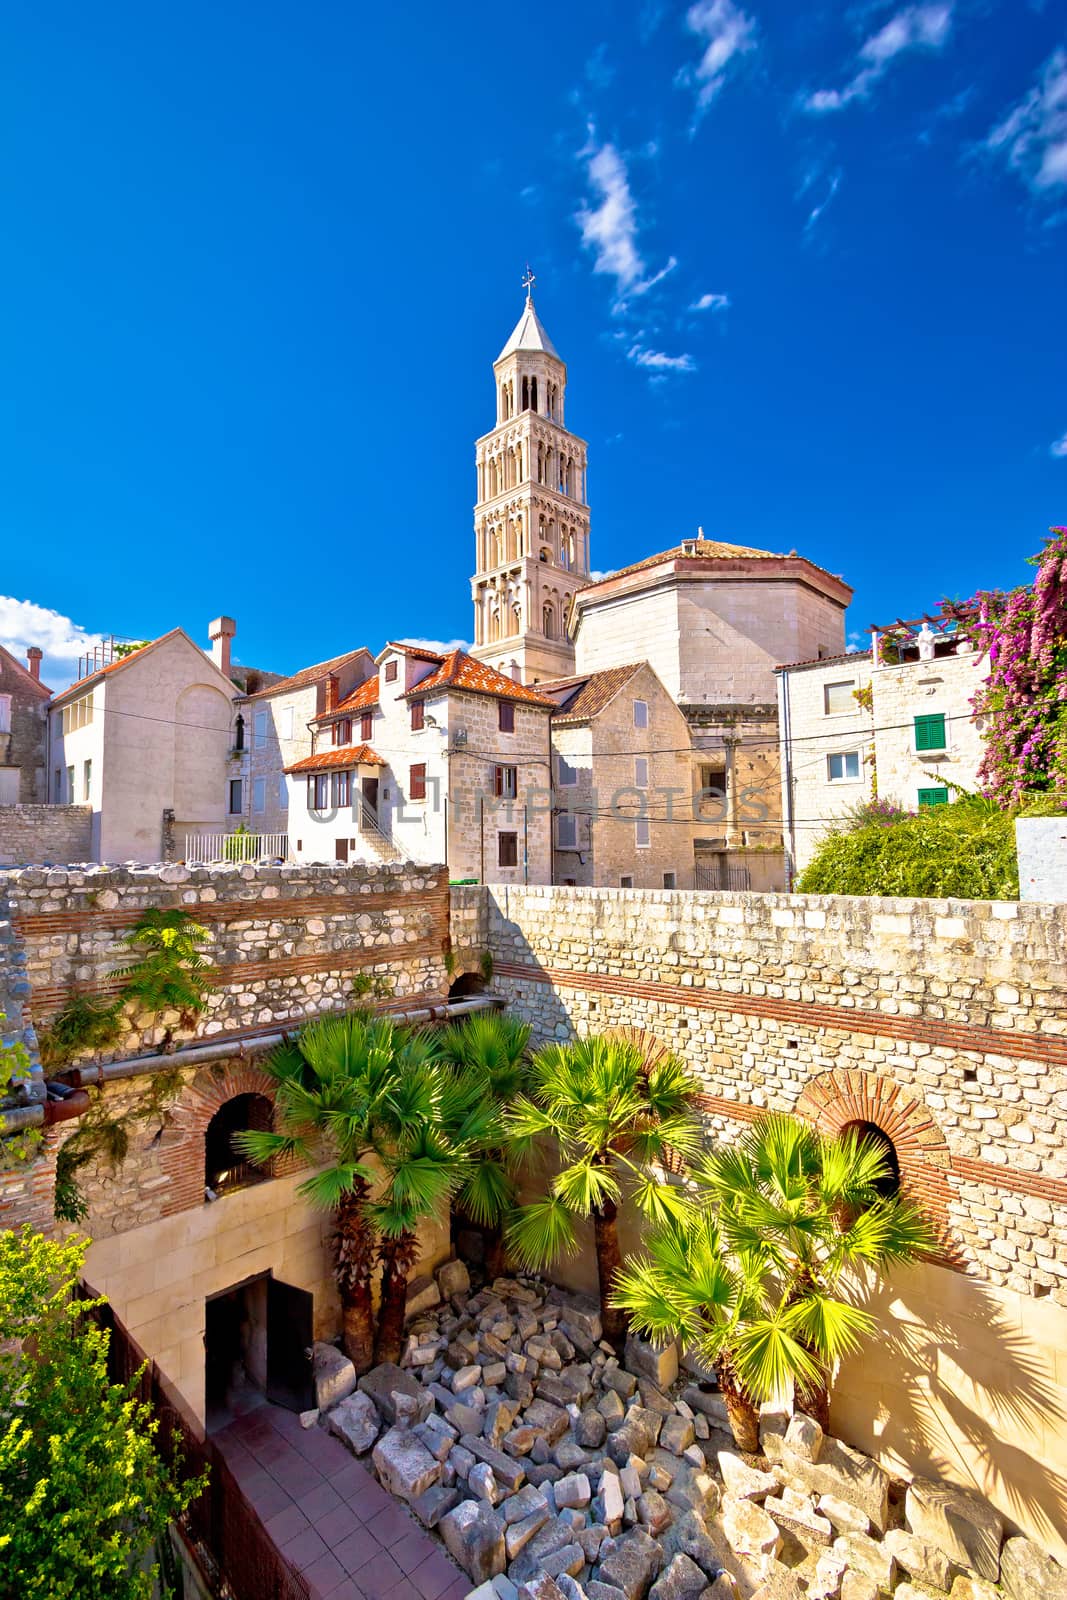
(22, 623)
(922, 27)
(609, 224)
(1058, 447)
(726, 33)
(441, 647)
(816, 211)
(711, 302)
(659, 361)
(1032, 138)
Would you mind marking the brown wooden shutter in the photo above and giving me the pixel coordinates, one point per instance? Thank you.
(366, 726)
(417, 716)
(417, 782)
(498, 780)
(507, 717)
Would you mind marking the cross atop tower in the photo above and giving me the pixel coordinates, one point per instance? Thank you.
(528, 282)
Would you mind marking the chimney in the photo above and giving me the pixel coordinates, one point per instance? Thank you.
(33, 661)
(220, 632)
(331, 692)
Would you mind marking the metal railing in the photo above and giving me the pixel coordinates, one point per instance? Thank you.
(722, 876)
(222, 1525)
(370, 826)
(235, 846)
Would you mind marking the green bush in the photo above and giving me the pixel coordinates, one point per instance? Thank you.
(962, 851)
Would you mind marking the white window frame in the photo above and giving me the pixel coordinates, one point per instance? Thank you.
(641, 715)
(87, 780)
(567, 823)
(5, 713)
(566, 775)
(839, 683)
(287, 722)
(283, 792)
(843, 756)
(259, 728)
(230, 810)
(640, 772)
(259, 796)
(642, 833)
(70, 786)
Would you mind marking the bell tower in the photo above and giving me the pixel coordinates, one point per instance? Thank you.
(531, 522)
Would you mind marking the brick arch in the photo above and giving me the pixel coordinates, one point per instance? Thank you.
(182, 1145)
(651, 1046)
(838, 1098)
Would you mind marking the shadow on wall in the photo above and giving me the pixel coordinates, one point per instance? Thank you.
(960, 1382)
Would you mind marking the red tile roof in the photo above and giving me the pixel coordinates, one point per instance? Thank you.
(421, 652)
(824, 661)
(361, 699)
(458, 670)
(580, 699)
(308, 675)
(346, 755)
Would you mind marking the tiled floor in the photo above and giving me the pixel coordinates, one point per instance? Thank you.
(330, 1517)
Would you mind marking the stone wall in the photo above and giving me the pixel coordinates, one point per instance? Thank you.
(31, 833)
(283, 942)
(944, 1023)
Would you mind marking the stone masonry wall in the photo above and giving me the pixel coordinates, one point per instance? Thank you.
(284, 942)
(30, 833)
(944, 1023)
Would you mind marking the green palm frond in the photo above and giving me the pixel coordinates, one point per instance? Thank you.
(832, 1327)
(770, 1360)
(487, 1192)
(661, 1202)
(262, 1147)
(540, 1233)
(654, 1309)
(890, 1232)
(584, 1186)
(327, 1187)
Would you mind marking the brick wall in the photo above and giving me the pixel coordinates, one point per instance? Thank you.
(36, 833)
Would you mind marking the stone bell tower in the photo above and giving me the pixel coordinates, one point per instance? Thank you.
(531, 522)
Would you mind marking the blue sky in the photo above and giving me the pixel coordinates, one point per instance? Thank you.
(805, 263)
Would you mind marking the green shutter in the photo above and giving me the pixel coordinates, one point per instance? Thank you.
(933, 797)
(930, 732)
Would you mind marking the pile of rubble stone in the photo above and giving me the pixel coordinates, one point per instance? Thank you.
(553, 1472)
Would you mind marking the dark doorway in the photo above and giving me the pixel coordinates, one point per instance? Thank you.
(888, 1184)
(289, 1347)
(467, 984)
(369, 789)
(225, 1168)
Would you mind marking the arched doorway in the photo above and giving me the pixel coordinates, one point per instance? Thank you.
(888, 1185)
(225, 1168)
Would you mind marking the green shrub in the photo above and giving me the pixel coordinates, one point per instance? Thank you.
(962, 851)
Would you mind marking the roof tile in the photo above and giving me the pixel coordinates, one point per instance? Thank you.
(580, 699)
(458, 670)
(307, 676)
(346, 755)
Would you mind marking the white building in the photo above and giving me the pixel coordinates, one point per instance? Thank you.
(893, 722)
(143, 739)
(436, 758)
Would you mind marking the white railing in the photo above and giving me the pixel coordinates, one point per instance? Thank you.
(371, 828)
(236, 846)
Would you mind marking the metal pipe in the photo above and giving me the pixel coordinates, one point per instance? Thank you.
(16, 1118)
(136, 1066)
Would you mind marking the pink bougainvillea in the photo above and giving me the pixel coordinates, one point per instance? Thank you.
(1024, 698)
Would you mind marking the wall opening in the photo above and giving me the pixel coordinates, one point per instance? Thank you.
(889, 1184)
(467, 984)
(225, 1168)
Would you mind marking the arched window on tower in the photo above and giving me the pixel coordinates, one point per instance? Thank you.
(545, 554)
(533, 394)
(548, 620)
(526, 394)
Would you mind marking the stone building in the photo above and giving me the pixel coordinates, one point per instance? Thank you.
(143, 740)
(23, 730)
(273, 730)
(435, 758)
(622, 770)
(852, 726)
(531, 521)
(711, 619)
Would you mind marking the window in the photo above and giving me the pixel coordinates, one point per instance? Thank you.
(225, 1168)
(342, 789)
(567, 775)
(507, 849)
(70, 786)
(567, 831)
(418, 716)
(259, 794)
(259, 730)
(506, 782)
(417, 781)
(390, 671)
(506, 717)
(641, 833)
(236, 796)
(838, 697)
(319, 791)
(670, 880)
(930, 732)
(283, 792)
(842, 767)
(87, 780)
(5, 713)
(640, 713)
(366, 725)
(933, 797)
(77, 714)
(287, 723)
(626, 881)
(57, 786)
(342, 731)
(641, 772)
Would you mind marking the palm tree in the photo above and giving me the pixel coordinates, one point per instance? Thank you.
(755, 1271)
(613, 1114)
(336, 1104)
(489, 1055)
